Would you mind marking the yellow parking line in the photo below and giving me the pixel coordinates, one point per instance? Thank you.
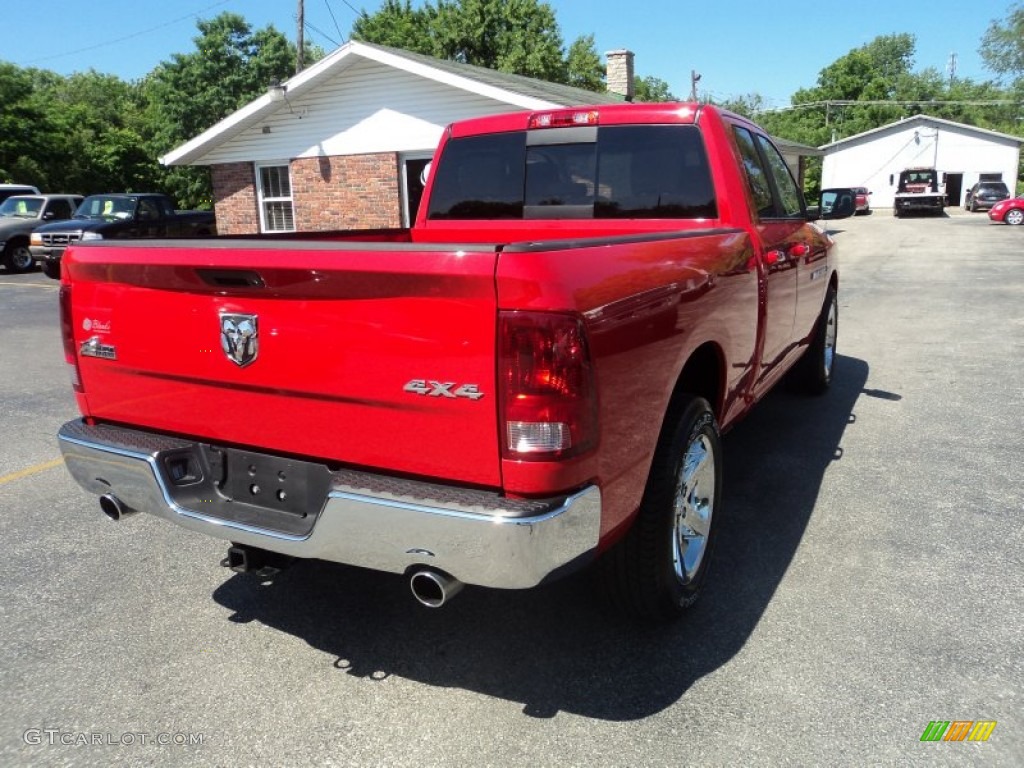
(30, 471)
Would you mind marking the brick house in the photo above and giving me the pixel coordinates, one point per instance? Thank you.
(342, 144)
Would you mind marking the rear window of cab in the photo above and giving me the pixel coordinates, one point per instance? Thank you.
(611, 172)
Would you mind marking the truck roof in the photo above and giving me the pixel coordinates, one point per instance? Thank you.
(597, 114)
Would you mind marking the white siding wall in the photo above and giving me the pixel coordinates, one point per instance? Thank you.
(871, 160)
(365, 109)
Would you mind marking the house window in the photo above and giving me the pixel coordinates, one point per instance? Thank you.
(277, 213)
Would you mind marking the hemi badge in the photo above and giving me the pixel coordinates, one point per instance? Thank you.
(93, 348)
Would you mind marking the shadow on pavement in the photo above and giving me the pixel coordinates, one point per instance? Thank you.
(555, 648)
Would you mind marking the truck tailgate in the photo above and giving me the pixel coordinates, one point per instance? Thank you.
(371, 355)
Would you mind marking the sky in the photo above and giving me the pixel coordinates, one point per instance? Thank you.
(738, 47)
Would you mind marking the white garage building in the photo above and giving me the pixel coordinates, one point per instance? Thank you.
(961, 153)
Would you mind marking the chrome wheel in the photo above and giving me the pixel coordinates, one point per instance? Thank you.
(693, 508)
(831, 331)
(1015, 216)
(658, 569)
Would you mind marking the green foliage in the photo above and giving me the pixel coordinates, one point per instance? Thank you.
(517, 36)
(98, 119)
(23, 128)
(398, 25)
(874, 85)
(231, 66)
(91, 132)
(651, 89)
(583, 65)
(1002, 47)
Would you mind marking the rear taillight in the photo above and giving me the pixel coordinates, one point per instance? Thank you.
(548, 395)
(67, 330)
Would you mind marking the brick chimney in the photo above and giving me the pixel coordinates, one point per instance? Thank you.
(620, 73)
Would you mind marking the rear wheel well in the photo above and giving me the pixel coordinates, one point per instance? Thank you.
(701, 376)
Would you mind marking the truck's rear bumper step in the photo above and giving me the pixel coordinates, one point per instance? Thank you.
(388, 524)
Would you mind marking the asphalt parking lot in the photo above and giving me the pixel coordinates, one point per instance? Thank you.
(869, 579)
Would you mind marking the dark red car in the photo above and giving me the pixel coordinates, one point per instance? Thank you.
(1009, 211)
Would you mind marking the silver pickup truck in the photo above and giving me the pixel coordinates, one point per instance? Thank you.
(20, 215)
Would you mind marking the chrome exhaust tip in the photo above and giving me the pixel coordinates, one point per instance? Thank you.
(113, 507)
(433, 588)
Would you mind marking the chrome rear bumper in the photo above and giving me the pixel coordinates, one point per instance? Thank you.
(368, 520)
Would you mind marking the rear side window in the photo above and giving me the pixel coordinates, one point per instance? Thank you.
(648, 172)
(790, 200)
(755, 172)
(772, 187)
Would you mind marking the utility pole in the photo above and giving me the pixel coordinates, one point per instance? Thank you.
(300, 18)
(952, 68)
(694, 79)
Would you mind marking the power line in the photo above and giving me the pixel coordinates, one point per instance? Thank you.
(893, 103)
(331, 11)
(322, 34)
(129, 37)
(355, 10)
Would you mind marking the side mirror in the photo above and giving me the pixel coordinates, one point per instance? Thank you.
(837, 204)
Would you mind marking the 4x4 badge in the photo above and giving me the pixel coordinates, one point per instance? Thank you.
(239, 337)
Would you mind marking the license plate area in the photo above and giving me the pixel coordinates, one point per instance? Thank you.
(257, 490)
(285, 485)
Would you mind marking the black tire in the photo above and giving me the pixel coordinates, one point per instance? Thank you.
(52, 269)
(659, 567)
(18, 258)
(813, 373)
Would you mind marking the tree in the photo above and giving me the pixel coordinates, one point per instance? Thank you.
(398, 25)
(99, 134)
(231, 66)
(583, 65)
(651, 89)
(1002, 47)
(517, 36)
(23, 129)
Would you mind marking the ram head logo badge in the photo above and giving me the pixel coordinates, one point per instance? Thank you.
(239, 337)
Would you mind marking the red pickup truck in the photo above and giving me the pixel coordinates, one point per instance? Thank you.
(532, 378)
